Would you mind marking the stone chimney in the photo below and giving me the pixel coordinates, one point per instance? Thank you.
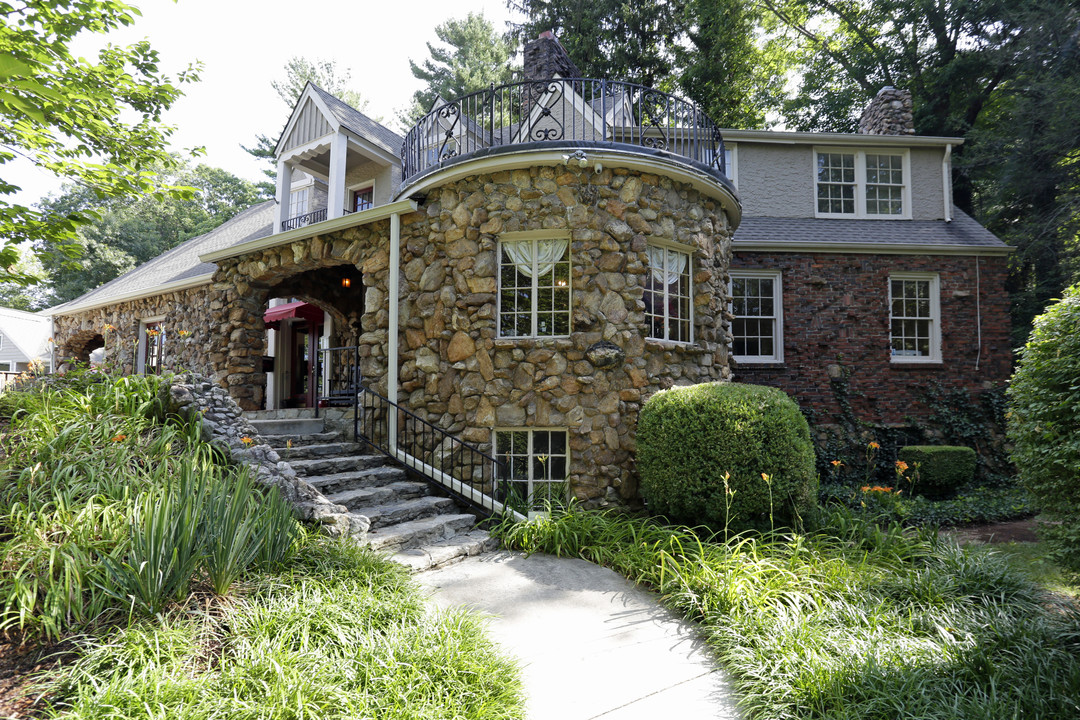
(889, 113)
(545, 58)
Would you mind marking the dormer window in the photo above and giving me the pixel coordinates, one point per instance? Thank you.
(861, 184)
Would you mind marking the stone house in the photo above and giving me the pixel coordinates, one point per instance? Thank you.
(531, 262)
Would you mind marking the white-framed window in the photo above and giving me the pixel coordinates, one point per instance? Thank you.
(536, 463)
(914, 317)
(5, 366)
(151, 346)
(731, 162)
(299, 201)
(668, 297)
(861, 183)
(758, 326)
(534, 286)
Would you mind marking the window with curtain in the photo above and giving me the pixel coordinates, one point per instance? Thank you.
(667, 294)
(534, 288)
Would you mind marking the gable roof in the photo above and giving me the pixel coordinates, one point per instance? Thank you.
(179, 267)
(27, 331)
(360, 124)
(791, 234)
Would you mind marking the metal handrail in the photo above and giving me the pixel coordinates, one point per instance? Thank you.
(595, 112)
(303, 220)
(462, 469)
(338, 369)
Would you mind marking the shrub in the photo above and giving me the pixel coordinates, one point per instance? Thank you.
(1044, 423)
(702, 452)
(942, 469)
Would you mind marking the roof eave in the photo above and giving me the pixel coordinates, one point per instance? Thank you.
(856, 139)
(174, 286)
(869, 248)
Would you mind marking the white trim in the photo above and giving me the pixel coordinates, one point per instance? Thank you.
(867, 248)
(946, 183)
(935, 317)
(534, 313)
(307, 94)
(846, 139)
(393, 300)
(161, 289)
(700, 181)
(860, 181)
(732, 169)
(778, 314)
(379, 212)
(140, 351)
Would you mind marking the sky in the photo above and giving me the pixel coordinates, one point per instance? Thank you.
(244, 45)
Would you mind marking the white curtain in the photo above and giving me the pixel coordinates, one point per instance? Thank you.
(676, 264)
(548, 252)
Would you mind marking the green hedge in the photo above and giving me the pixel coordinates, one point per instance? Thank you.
(1044, 423)
(689, 438)
(942, 469)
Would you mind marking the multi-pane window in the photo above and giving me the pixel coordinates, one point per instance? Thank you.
(535, 463)
(534, 288)
(884, 184)
(757, 328)
(363, 199)
(298, 201)
(860, 184)
(667, 294)
(836, 183)
(914, 318)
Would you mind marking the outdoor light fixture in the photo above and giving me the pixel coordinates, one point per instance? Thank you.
(346, 282)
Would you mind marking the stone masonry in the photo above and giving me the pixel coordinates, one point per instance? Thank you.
(889, 113)
(455, 372)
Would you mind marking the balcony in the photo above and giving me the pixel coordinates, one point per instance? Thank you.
(572, 113)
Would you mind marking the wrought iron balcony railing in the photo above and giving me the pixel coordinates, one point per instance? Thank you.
(303, 220)
(567, 112)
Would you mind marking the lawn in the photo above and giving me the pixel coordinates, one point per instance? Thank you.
(181, 589)
(856, 620)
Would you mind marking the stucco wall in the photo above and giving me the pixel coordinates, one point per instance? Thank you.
(778, 180)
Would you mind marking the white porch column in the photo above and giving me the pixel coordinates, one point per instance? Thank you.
(284, 190)
(392, 330)
(335, 202)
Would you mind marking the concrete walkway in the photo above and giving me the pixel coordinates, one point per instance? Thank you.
(591, 645)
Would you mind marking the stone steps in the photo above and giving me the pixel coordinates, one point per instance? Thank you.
(289, 426)
(369, 478)
(423, 528)
(310, 451)
(358, 498)
(419, 533)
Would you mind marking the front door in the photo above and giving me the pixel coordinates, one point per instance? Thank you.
(303, 344)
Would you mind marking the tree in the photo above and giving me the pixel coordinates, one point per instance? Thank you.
(726, 55)
(612, 39)
(129, 231)
(96, 123)
(476, 57)
(1003, 74)
(1044, 424)
(298, 73)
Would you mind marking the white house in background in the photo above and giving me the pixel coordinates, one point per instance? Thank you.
(24, 339)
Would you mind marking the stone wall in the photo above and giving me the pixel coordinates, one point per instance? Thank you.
(889, 113)
(455, 372)
(187, 334)
(836, 332)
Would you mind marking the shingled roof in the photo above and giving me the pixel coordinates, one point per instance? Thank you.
(360, 124)
(181, 263)
(776, 232)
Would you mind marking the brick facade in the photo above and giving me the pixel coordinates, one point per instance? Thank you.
(836, 330)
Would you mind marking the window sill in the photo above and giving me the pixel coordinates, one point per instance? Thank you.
(916, 365)
(561, 341)
(674, 345)
(759, 364)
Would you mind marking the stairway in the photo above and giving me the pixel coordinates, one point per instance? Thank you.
(410, 520)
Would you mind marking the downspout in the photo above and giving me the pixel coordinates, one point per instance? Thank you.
(946, 182)
(392, 339)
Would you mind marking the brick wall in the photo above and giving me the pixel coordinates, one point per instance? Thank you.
(836, 325)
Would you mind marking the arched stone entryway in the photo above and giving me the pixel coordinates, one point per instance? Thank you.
(313, 270)
(78, 347)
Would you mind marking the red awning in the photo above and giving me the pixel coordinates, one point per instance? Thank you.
(305, 311)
